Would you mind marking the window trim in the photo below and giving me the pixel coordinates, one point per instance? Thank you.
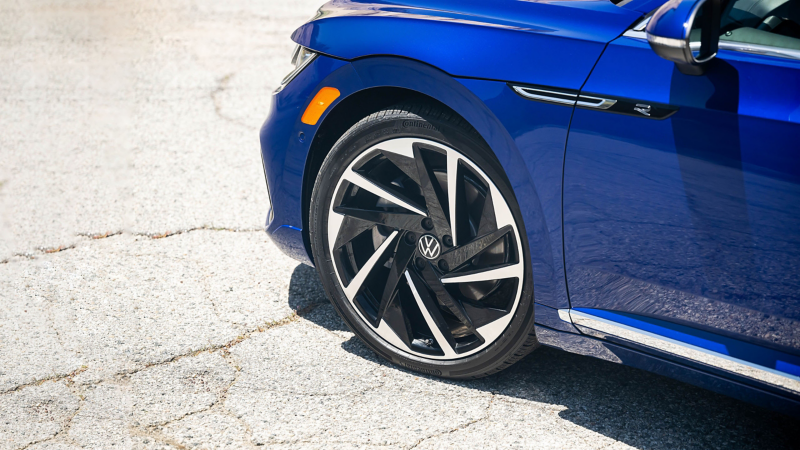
(637, 32)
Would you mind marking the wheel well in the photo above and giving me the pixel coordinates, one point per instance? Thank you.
(343, 116)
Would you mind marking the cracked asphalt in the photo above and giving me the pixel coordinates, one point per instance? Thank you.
(143, 307)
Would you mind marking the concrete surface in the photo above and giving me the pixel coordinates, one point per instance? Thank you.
(141, 305)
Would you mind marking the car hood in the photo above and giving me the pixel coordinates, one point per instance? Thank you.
(510, 40)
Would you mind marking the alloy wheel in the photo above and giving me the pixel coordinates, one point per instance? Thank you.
(425, 248)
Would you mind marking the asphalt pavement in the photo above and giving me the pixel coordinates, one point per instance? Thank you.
(143, 307)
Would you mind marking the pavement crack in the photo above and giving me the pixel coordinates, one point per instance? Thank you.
(218, 402)
(327, 443)
(222, 408)
(101, 235)
(38, 251)
(165, 234)
(67, 423)
(222, 85)
(460, 427)
(156, 436)
(57, 377)
(291, 318)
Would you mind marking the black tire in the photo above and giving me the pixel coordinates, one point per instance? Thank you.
(435, 124)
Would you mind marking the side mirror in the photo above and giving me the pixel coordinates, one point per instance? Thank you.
(686, 32)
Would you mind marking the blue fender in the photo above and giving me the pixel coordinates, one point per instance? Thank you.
(286, 142)
(552, 43)
(465, 98)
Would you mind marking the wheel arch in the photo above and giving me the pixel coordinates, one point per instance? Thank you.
(342, 116)
(389, 80)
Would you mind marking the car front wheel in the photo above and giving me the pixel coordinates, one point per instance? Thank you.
(419, 242)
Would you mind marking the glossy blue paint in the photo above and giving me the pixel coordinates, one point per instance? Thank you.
(670, 20)
(691, 219)
(755, 354)
(284, 154)
(552, 43)
(687, 225)
(642, 6)
(539, 131)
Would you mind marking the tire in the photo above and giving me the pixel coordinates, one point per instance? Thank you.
(440, 297)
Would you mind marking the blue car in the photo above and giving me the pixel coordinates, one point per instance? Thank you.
(614, 178)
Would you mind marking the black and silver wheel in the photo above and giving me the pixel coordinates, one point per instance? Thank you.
(418, 240)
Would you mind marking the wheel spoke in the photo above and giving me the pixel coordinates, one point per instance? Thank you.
(368, 185)
(401, 221)
(494, 273)
(482, 316)
(432, 280)
(434, 319)
(459, 255)
(395, 323)
(349, 229)
(355, 284)
(488, 222)
(453, 194)
(433, 194)
(407, 165)
(401, 259)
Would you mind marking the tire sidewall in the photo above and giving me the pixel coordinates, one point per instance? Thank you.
(364, 135)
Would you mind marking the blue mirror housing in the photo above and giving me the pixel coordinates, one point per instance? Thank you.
(686, 32)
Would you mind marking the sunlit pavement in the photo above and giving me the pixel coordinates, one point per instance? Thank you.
(142, 305)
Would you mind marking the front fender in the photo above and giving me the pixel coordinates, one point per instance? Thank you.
(546, 43)
(469, 99)
(526, 137)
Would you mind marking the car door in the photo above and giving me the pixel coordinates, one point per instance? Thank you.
(682, 201)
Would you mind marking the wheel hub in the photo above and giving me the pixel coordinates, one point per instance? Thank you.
(429, 247)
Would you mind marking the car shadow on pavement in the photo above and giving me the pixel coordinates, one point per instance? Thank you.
(638, 408)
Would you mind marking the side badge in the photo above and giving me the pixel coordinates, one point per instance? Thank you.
(642, 108)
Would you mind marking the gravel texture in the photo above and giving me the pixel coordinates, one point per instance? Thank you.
(142, 307)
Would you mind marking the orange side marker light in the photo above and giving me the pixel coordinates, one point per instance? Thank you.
(319, 104)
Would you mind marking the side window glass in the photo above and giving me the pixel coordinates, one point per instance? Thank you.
(774, 23)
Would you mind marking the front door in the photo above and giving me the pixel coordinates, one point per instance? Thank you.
(682, 201)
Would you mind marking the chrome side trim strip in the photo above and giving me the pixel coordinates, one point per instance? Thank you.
(637, 32)
(545, 96)
(642, 24)
(563, 314)
(564, 98)
(595, 102)
(758, 49)
(587, 323)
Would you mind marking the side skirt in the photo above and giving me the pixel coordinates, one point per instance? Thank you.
(733, 357)
(589, 346)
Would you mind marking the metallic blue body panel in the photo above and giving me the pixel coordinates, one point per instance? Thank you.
(692, 219)
(539, 131)
(688, 224)
(670, 22)
(474, 38)
(284, 155)
(643, 6)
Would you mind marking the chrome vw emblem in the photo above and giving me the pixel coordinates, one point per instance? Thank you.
(429, 246)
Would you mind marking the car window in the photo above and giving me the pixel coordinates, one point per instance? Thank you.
(774, 23)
